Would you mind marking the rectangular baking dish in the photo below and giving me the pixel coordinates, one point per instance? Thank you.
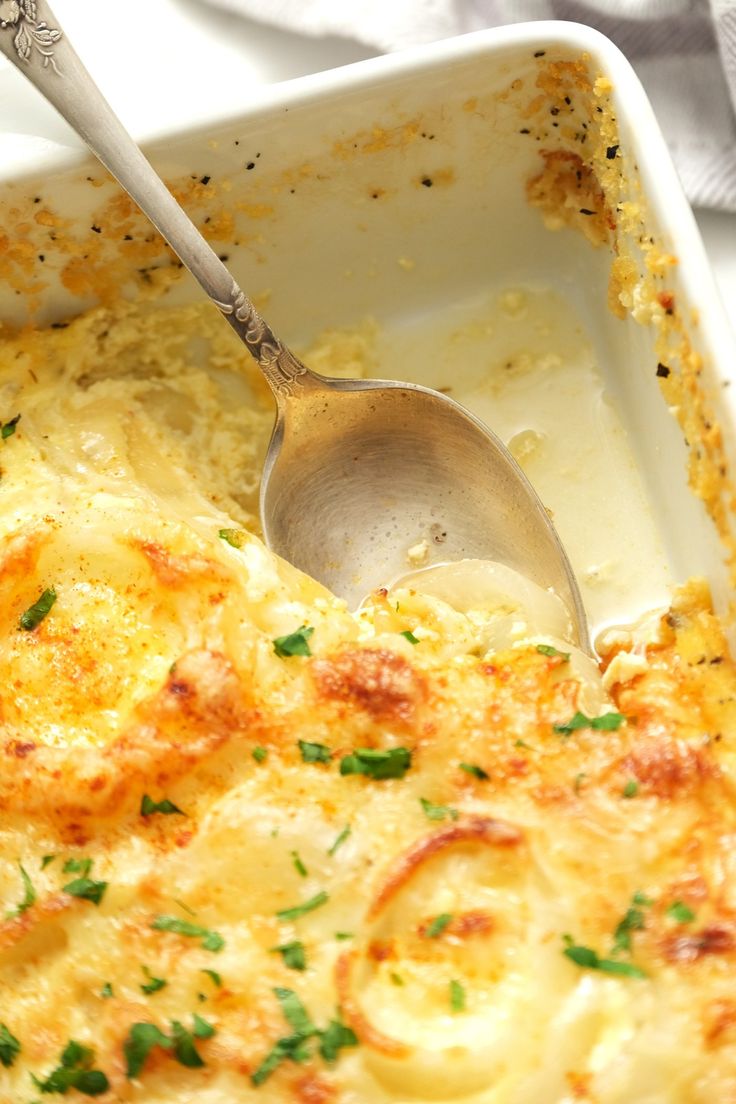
(500, 203)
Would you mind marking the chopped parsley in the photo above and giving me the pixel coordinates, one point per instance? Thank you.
(589, 959)
(437, 812)
(631, 788)
(313, 903)
(149, 807)
(46, 860)
(34, 615)
(211, 940)
(457, 996)
(294, 644)
(293, 955)
(548, 650)
(299, 865)
(294, 1011)
(608, 722)
(633, 920)
(476, 771)
(143, 1037)
(376, 763)
(29, 895)
(106, 991)
(141, 1040)
(342, 936)
(314, 753)
(680, 913)
(86, 889)
(296, 1047)
(334, 1038)
(7, 429)
(74, 1072)
(233, 537)
(77, 866)
(259, 754)
(409, 635)
(214, 977)
(9, 1046)
(438, 925)
(153, 984)
(184, 1048)
(340, 840)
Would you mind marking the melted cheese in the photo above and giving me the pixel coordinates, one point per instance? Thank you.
(155, 673)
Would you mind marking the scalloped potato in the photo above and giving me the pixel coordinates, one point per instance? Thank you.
(258, 847)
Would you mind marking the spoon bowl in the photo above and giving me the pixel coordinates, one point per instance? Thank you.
(357, 471)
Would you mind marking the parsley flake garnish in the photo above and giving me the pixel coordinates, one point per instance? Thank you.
(141, 1040)
(376, 763)
(633, 920)
(292, 954)
(106, 991)
(211, 940)
(334, 1038)
(214, 977)
(314, 753)
(29, 895)
(631, 788)
(409, 635)
(153, 984)
(294, 913)
(297, 1046)
(143, 1037)
(202, 1029)
(438, 925)
(46, 860)
(548, 650)
(77, 866)
(293, 644)
(299, 865)
(396, 979)
(184, 1048)
(86, 889)
(149, 807)
(680, 913)
(34, 615)
(233, 537)
(476, 771)
(589, 959)
(437, 812)
(9, 1046)
(7, 429)
(608, 722)
(457, 996)
(259, 754)
(340, 840)
(74, 1072)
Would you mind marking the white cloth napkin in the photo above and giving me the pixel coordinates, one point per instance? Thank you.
(684, 52)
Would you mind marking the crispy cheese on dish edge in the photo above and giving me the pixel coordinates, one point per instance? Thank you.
(256, 847)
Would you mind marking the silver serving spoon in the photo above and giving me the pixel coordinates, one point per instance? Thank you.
(357, 471)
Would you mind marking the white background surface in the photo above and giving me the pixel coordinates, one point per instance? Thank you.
(169, 63)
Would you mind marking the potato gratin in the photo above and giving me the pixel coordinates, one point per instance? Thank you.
(258, 848)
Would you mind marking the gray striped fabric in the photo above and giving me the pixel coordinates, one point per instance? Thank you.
(684, 52)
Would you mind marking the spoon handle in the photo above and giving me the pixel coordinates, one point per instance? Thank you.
(31, 37)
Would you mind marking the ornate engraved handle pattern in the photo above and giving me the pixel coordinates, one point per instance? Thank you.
(279, 365)
(29, 31)
(31, 35)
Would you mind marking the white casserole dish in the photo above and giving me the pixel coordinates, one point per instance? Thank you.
(395, 189)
